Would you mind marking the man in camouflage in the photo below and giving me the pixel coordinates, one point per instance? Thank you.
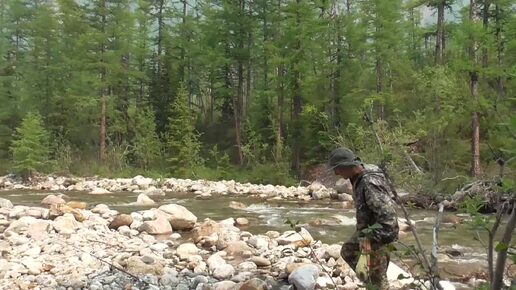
(377, 221)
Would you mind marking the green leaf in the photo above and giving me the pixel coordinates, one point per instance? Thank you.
(501, 247)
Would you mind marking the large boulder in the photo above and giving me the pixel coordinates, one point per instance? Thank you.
(61, 209)
(5, 203)
(304, 277)
(215, 261)
(343, 186)
(237, 248)
(143, 199)
(136, 265)
(121, 220)
(180, 218)
(65, 224)
(21, 224)
(39, 230)
(100, 209)
(52, 200)
(159, 226)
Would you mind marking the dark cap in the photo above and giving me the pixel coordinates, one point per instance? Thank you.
(343, 157)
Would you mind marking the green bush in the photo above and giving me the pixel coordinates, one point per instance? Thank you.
(31, 146)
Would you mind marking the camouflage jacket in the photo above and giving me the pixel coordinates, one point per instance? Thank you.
(374, 204)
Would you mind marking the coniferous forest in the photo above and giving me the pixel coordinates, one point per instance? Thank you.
(257, 90)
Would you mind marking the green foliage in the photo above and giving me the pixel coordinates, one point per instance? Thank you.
(30, 147)
(146, 144)
(182, 141)
(169, 74)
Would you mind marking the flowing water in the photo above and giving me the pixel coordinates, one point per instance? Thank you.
(324, 219)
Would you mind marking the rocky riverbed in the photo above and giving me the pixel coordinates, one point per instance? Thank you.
(158, 187)
(65, 247)
(66, 244)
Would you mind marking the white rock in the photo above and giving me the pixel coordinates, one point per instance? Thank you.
(149, 215)
(98, 190)
(180, 218)
(86, 258)
(159, 226)
(227, 222)
(334, 251)
(247, 267)
(241, 221)
(394, 272)
(144, 200)
(125, 230)
(34, 267)
(258, 242)
(186, 250)
(201, 268)
(52, 199)
(215, 260)
(324, 282)
(17, 240)
(175, 236)
(137, 217)
(159, 247)
(21, 224)
(304, 277)
(33, 251)
(5, 203)
(65, 224)
(223, 271)
(100, 209)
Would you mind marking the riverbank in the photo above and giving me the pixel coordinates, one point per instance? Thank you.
(340, 190)
(167, 247)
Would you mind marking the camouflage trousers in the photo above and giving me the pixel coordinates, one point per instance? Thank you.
(379, 258)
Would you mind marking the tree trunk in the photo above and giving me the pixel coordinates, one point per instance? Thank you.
(102, 133)
(265, 50)
(499, 53)
(439, 39)
(238, 104)
(379, 85)
(281, 98)
(161, 25)
(183, 53)
(297, 103)
(475, 119)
